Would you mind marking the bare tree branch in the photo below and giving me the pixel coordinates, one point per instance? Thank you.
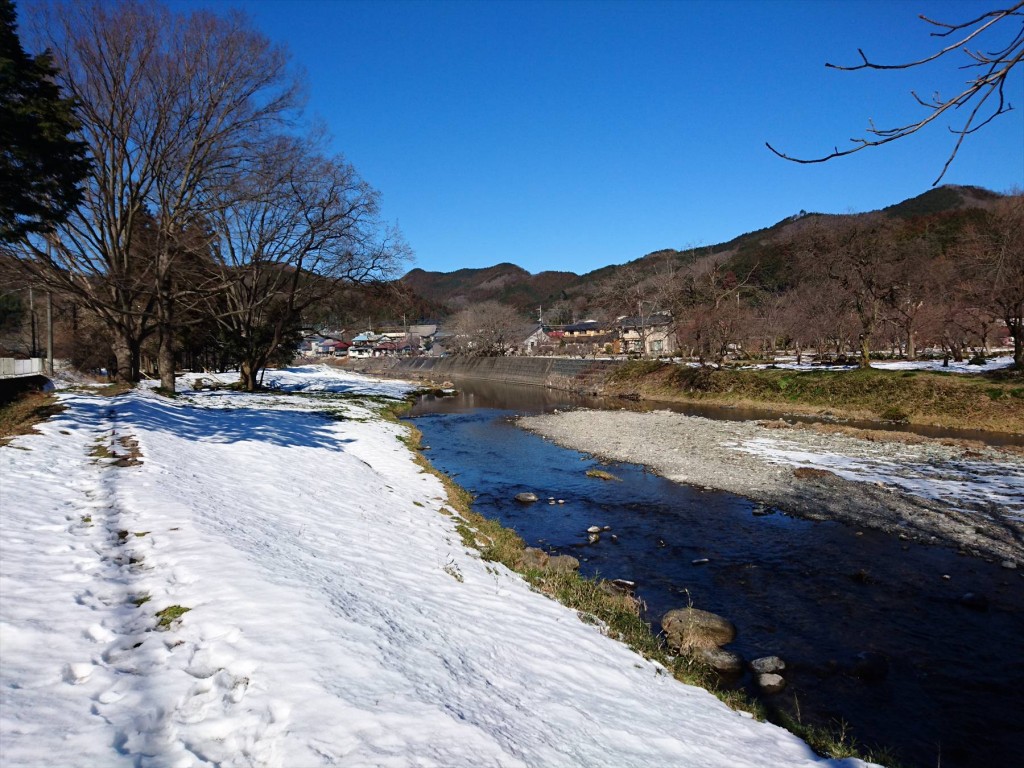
(997, 67)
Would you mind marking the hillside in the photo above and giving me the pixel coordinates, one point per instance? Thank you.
(762, 251)
(503, 282)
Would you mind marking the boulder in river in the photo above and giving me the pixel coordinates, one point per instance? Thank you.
(974, 601)
(534, 559)
(562, 564)
(768, 665)
(770, 683)
(526, 498)
(724, 662)
(692, 629)
(539, 560)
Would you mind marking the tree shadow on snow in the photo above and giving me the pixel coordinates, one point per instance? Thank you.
(225, 425)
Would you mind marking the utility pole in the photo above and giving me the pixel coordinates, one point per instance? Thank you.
(49, 332)
(643, 333)
(32, 318)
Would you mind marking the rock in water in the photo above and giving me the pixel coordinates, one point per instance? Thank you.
(722, 661)
(768, 665)
(691, 629)
(771, 683)
(526, 498)
(534, 559)
(562, 564)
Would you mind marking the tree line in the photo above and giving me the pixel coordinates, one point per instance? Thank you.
(862, 284)
(205, 215)
(849, 286)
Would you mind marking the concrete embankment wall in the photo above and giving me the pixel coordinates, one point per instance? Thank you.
(556, 372)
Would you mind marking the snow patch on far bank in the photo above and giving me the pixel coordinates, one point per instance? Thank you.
(964, 484)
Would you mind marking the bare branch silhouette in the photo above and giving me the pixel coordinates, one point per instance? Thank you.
(976, 97)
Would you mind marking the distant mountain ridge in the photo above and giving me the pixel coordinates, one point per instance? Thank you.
(513, 285)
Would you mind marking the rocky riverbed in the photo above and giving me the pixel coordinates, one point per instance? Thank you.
(965, 495)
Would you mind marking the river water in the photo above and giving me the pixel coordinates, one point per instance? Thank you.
(875, 631)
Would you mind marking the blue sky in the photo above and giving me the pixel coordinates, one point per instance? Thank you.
(573, 135)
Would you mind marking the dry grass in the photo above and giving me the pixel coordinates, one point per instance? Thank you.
(20, 416)
(993, 402)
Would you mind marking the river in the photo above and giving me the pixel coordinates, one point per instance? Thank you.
(875, 631)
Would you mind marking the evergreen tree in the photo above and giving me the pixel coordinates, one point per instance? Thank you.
(41, 165)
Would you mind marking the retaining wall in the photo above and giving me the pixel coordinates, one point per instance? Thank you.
(587, 376)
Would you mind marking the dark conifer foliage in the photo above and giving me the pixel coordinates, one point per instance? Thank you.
(41, 163)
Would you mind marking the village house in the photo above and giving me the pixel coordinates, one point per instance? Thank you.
(589, 337)
(650, 336)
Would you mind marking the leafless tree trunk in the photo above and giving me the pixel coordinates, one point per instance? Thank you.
(994, 251)
(288, 231)
(167, 102)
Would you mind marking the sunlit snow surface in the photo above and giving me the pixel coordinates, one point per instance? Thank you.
(952, 366)
(335, 617)
(965, 485)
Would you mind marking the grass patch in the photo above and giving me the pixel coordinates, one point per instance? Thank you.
(101, 451)
(170, 614)
(112, 390)
(20, 416)
(600, 474)
(140, 600)
(833, 741)
(894, 414)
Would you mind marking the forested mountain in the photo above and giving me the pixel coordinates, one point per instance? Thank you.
(506, 283)
(763, 254)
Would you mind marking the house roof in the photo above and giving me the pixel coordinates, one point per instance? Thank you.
(582, 325)
(661, 318)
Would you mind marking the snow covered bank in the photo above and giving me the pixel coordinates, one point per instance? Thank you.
(996, 363)
(333, 614)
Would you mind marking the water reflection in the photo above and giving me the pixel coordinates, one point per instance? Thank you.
(873, 631)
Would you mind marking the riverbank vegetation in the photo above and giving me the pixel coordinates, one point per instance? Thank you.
(20, 415)
(993, 401)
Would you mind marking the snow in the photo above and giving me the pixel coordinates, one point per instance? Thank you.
(964, 484)
(990, 364)
(334, 615)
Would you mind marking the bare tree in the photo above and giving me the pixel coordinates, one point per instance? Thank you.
(994, 254)
(488, 329)
(983, 97)
(914, 289)
(857, 255)
(167, 102)
(289, 230)
(706, 305)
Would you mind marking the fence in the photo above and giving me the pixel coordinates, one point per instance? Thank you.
(11, 368)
